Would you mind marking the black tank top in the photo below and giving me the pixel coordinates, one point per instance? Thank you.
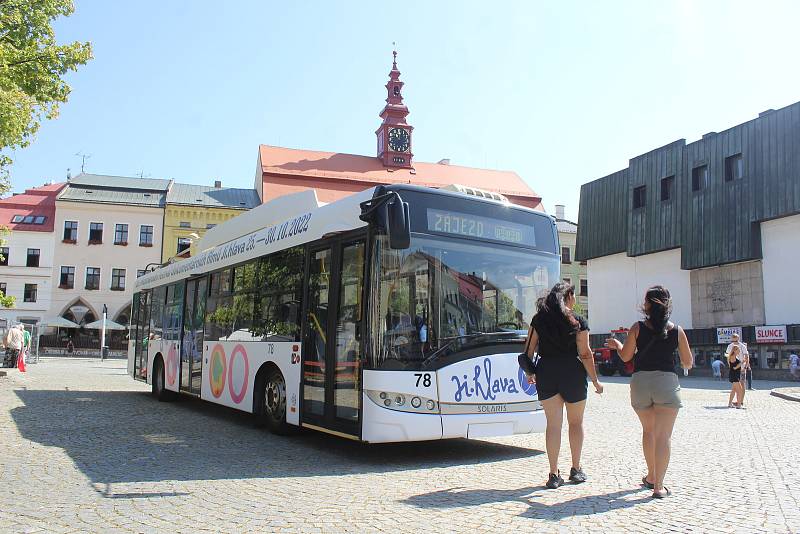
(660, 356)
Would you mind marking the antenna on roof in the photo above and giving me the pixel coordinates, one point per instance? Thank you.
(69, 175)
(83, 157)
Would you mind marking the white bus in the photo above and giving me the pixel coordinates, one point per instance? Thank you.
(394, 314)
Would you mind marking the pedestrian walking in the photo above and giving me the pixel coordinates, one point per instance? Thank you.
(655, 390)
(735, 377)
(14, 341)
(716, 367)
(743, 356)
(561, 339)
(26, 348)
(794, 365)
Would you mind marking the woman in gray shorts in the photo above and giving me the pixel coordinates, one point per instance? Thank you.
(655, 391)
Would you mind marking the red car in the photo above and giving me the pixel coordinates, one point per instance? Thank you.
(608, 361)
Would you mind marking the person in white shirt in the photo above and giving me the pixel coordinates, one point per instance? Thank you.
(794, 365)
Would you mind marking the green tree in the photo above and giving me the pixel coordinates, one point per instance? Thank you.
(32, 65)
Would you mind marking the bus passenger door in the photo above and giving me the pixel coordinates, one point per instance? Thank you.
(192, 340)
(332, 344)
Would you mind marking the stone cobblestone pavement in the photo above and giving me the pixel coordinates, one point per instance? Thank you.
(84, 448)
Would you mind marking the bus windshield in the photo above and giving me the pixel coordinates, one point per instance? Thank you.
(441, 299)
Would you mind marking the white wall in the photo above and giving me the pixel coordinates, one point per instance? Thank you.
(16, 274)
(617, 284)
(106, 256)
(779, 244)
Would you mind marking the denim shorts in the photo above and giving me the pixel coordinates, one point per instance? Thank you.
(650, 388)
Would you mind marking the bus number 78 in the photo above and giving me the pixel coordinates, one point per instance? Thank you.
(425, 378)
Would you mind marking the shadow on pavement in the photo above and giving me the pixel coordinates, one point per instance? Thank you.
(116, 437)
(584, 505)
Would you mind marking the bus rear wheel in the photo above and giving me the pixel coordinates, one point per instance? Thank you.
(271, 408)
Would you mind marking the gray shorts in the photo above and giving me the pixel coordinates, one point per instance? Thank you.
(655, 387)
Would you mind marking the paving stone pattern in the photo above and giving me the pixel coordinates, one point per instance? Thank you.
(84, 448)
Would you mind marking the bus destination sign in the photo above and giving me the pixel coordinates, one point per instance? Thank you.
(454, 223)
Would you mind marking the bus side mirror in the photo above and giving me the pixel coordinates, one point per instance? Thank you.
(398, 224)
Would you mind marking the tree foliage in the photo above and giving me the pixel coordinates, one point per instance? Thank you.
(32, 66)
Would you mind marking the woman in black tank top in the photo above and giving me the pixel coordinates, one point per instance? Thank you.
(655, 391)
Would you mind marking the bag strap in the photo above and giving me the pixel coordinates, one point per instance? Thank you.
(646, 347)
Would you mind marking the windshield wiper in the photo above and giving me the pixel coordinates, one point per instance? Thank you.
(440, 351)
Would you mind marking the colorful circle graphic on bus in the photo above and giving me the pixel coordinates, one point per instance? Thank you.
(217, 370)
(530, 389)
(241, 368)
(172, 366)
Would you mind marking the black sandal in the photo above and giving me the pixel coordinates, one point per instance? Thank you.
(646, 484)
(664, 495)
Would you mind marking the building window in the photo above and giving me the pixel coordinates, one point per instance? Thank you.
(639, 196)
(183, 244)
(39, 219)
(3, 255)
(28, 219)
(565, 255)
(568, 281)
(67, 277)
(666, 188)
(145, 235)
(95, 233)
(140, 273)
(3, 289)
(30, 293)
(70, 231)
(209, 226)
(121, 234)
(734, 167)
(117, 279)
(185, 224)
(33, 258)
(699, 178)
(584, 288)
(93, 278)
(17, 218)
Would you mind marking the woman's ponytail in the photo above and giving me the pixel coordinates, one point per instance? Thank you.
(660, 309)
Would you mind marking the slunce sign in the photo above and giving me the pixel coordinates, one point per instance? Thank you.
(771, 334)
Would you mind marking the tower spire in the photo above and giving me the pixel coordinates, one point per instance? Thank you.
(394, 133)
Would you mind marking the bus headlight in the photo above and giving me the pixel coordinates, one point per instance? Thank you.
(398, 402)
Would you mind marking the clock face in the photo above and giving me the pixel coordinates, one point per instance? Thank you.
(399, 139)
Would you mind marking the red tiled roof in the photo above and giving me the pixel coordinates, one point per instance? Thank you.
(350, 167)
(35, 201)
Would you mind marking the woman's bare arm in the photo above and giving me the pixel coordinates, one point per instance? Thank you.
(587, 358)
(685, 352)
(533, 341)
(627, 350)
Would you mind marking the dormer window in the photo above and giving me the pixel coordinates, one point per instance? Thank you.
(17, 218)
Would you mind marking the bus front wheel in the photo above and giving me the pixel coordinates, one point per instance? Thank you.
(271, 408)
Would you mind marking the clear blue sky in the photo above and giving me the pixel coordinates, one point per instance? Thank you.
(560, 92)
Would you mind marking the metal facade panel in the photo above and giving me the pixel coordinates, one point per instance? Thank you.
(715, 225)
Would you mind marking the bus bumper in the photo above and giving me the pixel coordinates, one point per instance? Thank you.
(381, 425)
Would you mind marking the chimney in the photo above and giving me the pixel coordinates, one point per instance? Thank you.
(443, 161)
(767, 112)
(217, 184)
(559, 211)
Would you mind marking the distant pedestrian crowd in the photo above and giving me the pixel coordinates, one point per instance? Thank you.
(17, 344)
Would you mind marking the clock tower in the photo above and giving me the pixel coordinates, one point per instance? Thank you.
(394, 133)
